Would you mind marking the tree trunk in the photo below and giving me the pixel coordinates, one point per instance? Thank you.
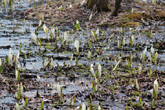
(103, 5)
(116, 7)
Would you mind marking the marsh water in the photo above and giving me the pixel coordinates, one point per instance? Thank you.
(73, 82)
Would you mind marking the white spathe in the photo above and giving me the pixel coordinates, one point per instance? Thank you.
(152, 50)
(17, 106)
(10, 55)
(123, 41)
(59, 89)
(76, 43)
(17, 75)
(97, 32)
(156, 86)
(144, 52)
(40, 22)
(71, 57)
(92, 70)
(0, 62)
(53, 31)
(99, 69)
(65, 36)
(132, 37)
(92, 33)
(45, 29)
(18, 54)
(137, 85)
(89, 54)
(83, 106)
(118, 43)
(34, 37)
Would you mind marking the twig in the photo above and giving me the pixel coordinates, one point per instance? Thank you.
(116, 65)
(70, 98)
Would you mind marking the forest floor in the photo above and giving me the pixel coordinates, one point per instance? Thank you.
(66, 13)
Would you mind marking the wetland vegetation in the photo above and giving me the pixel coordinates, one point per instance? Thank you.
(61, 55)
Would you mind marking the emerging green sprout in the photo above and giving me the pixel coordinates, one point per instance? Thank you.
(131, 41)
(131, 11)
(152, 50)
(17, 75)
(92, 33)
(89, 54)
(4, 3)
(153, 102)
(123, 41)
(20, 91)
(139, 68)
(143, 55)
(150, 33)
(25, 102)
(52, 32)
(128, 62)
(73, 101)
(98, 73)
(57, 31)
(150, 72)
(99, 70)
(17, 106)
(118, 44)
(42, 105)
(83, 106)
(50, 62)
(65, 36)
(77, 25)
(99, 108)
(7, 60)
(10, 56)
(155, 57)
(89, 43)
(16, 58)
(137, 84)
(44, 62)
(94, 87)
(0, 65)
(59, 90)
(154, 91)
(45, 30)
(71, 57)
(90, 17)
(153, 1)
(12, 7)
(97, 32)
(122, 30)
(92, 71)
(131, 58)
(34, 38)
(17, 55)
(156, 88)
(76, 44)
(76, 61)
(40, 23)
